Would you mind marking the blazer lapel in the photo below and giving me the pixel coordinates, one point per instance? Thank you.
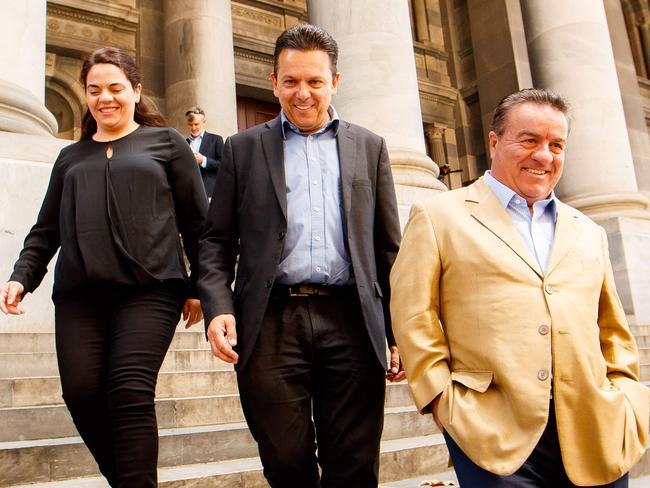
(566, 233)
(204, 143)
(347, 158)
(274, 155)
(491, 214)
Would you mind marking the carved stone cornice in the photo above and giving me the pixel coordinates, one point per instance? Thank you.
(437, 93)
(297, 8)
(254, 56)
(432, 50)
(95, 12)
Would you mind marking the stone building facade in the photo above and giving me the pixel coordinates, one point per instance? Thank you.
(425, 74)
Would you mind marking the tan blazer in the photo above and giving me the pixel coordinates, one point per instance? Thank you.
(477, 322)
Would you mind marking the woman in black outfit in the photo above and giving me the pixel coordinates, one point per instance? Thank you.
(115, 205)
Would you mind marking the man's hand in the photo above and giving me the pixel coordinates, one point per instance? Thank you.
(11, 294)
(198, 157)
(395, 371)
(222, 337)
(192, 312)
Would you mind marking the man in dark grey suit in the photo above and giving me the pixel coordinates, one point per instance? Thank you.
(307, 202)
(207, 147)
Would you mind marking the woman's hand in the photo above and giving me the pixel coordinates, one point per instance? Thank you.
(11, 294)
(192, 312)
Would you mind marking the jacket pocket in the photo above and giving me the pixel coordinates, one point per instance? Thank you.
(474, 380)
(478, 381)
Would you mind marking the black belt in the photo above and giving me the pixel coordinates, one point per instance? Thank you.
(306, 290)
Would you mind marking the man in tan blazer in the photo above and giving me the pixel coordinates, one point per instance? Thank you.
(507, 319)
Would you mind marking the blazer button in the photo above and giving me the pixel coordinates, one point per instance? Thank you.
(281, 235)
(549, 289)
(269, 283)
(542, 375)
(543, 329)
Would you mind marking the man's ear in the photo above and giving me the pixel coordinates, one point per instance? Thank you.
(493, 139)
(274, 80)
(335, 82)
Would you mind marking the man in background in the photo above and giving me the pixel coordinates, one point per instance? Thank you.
(207, 148)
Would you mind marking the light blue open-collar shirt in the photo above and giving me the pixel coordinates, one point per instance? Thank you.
(314, 246)
(538, 229)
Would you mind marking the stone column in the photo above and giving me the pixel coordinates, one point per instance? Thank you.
(27, 148)
(571, 53)
(437, 135)
(379, 85)
(631, 95)
(22, 78)
(421, 22)
(200, 63)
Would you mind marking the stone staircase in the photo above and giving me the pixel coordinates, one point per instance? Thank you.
(204, 441)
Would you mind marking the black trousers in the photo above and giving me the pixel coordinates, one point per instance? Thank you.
(542, 469)
(313, 380)
(111, 342)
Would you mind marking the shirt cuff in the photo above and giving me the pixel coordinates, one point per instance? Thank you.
(204, 164)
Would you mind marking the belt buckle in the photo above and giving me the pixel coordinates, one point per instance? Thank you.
(294, 291)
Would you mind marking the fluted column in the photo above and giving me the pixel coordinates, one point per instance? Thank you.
(27, 148)
(570, 52)
(379, 85)
(421, 22)
(22, 78)
(199, 63)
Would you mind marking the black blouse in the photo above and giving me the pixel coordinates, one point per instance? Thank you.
(117, 220)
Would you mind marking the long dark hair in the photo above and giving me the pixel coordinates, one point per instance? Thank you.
(145, 112)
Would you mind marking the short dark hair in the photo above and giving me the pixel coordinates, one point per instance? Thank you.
(540, 96)
(193, 112)
(146, 112)
(306, 37)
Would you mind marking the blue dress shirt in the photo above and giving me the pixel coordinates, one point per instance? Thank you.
(538, 229)
(195, 144)
(314, 246)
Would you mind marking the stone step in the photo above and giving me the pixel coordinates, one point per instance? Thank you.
(643, 341)
(414, 456)
(44, 341)
(640, 330)
(645, 371)
(27, 392)
(25, 364)
(644, 355)
(31, 423)
(67, 457)
(24, 392)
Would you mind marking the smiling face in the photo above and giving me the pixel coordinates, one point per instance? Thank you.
(111, 100)
(529, 156)
(304, 86)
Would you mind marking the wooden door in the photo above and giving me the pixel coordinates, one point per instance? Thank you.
(252, 112)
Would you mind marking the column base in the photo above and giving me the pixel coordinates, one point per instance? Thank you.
(416, 178)
(25, 166)
(22, 112)
(629, 250)
(610, 205)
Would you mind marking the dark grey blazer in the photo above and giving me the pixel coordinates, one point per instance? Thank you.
(211, 148)
(248, 217)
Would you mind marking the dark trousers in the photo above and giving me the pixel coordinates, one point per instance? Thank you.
(110, 343)
(542, 469)
(313, 358)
